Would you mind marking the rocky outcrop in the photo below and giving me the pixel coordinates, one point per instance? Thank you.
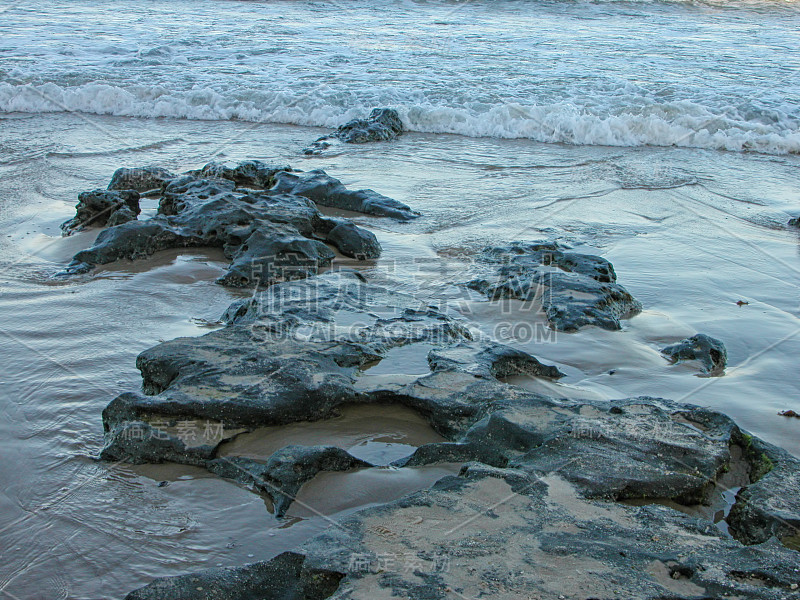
(253, 174)
(102, 208)
(506, 533)
(537, 509)
(572, 290)
(285, 577)
(269, 235)
(709, 351)
(298, 351)
(383, 124)
(141, 179)
(541, 482)
(491, 361)
(324, 190)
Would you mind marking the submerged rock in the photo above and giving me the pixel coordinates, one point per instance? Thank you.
(383, 124)
(574, 290)
(709, 351)
(100, 208)
(269, 235)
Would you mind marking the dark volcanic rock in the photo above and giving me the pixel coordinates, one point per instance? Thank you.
(268, 236)
(99, 208)
(353, 241)
(504, 533)
(532, 514)
(282, 359)
(494, 360)
(264, 217)
(297, 353)
(249, 173)
(324, 190)
(141, 179)
(382, 125)
(708, 350)
(285, 472)
(574, 289)
(285, 359)
(285, 577)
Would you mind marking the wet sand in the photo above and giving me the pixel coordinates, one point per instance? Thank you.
(690, 233)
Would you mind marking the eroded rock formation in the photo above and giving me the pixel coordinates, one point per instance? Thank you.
(573, 289)
(264, 218)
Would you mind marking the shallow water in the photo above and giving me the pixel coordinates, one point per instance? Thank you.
(701, 73)
(689, 231)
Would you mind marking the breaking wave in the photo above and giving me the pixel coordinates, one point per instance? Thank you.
(620, 122)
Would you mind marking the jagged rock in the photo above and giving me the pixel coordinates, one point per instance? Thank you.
(382, 125)
(268, 236)
(141, 179)
(770, 506)
(249, 173)
(284, 358)
(285, 577)
(285, 472)
(574, 289)
(99, 208)
(280, 361)
(709, 351)
(794, 222)
(123, 214)
(325, 190)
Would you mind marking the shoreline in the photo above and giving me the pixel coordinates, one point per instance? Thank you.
(428, 275)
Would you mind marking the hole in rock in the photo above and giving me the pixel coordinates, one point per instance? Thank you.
(721, 498)
(379, 434)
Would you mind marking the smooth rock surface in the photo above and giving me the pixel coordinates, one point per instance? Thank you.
(325, 190)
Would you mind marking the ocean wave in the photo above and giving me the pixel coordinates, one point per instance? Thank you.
(618, 122)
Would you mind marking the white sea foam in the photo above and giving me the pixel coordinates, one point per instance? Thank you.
(670, 124)
(577, 72)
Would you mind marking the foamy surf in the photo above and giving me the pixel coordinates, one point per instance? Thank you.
(621, 123)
